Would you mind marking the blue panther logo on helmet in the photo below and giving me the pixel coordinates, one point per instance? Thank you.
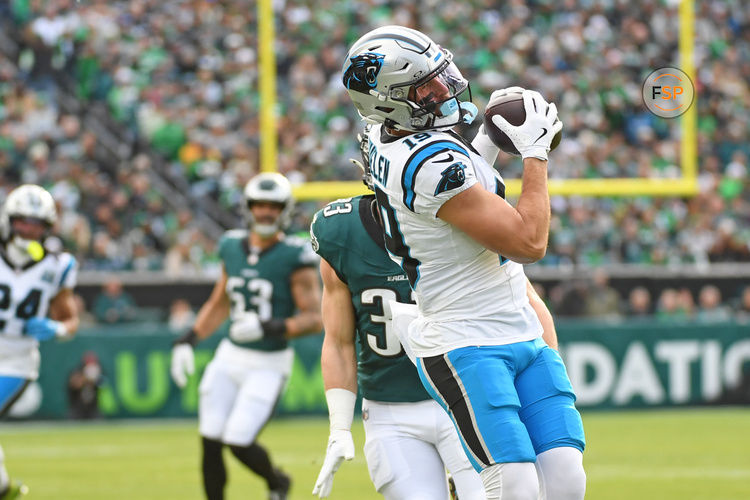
(362, 73)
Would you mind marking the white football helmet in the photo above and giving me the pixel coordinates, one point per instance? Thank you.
(400, 77)
(31, 202)
(273, 187)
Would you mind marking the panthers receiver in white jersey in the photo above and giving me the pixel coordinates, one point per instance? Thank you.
(36, 297)
(476, 338)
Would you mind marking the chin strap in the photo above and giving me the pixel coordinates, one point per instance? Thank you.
(266, 230)
(468, 112)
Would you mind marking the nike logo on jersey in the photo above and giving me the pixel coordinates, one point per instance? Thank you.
(544, 132)
(447, 159)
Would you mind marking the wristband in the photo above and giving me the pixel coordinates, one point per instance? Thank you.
(190, 338)
(340, 408)
(275, 327)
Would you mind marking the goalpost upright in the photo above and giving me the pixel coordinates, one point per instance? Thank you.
(686, 185)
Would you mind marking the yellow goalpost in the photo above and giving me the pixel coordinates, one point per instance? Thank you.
(686, 185)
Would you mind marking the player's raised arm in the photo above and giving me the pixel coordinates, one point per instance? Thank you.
(339, 366)
(544, 315)
(305, 287)
(214, 311)
(62, 308)
(518, 233)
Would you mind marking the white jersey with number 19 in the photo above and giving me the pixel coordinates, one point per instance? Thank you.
(467, 294)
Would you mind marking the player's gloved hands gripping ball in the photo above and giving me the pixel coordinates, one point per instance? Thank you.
(533, 137)
(44, 328)
(482, 142)
(182, 364)
(340, 443)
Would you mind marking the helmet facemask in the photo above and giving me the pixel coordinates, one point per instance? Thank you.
(265, 229)
(440, 100)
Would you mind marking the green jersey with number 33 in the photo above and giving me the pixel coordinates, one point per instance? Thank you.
(346, 234)
(261, 282)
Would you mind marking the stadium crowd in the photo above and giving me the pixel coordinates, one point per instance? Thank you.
(183, 75)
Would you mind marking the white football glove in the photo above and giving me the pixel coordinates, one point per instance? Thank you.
(246, 328)
(182, 364)
(482, 142)
(484, 146)
(532, 138)
(496, 95)
(340, 448)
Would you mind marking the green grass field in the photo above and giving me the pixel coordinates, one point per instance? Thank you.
(660, 455)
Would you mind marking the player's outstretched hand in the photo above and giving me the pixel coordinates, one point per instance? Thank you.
(340, 448)
(533, 137)
(246, 328)
(43, 328)
(182, 364)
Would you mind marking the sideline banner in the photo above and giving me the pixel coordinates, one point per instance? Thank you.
(135, 362)
(611, 366)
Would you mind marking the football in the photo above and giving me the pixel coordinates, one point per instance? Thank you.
(511, 108)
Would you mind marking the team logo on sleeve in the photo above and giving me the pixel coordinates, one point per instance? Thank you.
(453, 177)
(362, 73)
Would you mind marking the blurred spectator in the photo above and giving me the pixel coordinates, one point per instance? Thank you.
(710, 308)
(602, 300)
(114, 304)
(670, 307)
(570, 298)
(639, 303)
(742, 309)
(181, 316)
(686, 301)
(85, 317)
(83, 387)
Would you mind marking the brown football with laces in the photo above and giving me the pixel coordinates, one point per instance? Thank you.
(510, 107)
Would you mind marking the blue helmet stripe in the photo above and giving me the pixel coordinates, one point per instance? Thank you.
(416, 161)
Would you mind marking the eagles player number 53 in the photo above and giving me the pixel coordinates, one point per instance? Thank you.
(261, 290)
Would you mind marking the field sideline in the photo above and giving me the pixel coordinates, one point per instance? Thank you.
(659, 454)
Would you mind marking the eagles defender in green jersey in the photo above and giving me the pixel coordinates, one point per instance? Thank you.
(347, 236)
(269, 289)
(410, 441)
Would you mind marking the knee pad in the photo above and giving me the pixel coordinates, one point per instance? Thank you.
(511, 481)
(561, 474)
